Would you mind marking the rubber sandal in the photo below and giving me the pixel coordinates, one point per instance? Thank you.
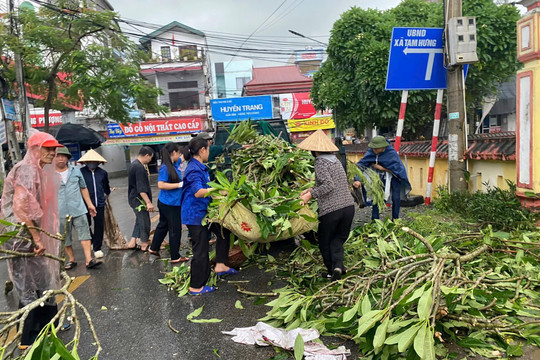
(70, 265)
(145, 250)
(135, 248)
(65, 327)
(93, 263)
(180, 260)
(231, 271)
(205, 290)
(152, 252)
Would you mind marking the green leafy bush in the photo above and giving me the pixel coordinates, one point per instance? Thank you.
(497, 207)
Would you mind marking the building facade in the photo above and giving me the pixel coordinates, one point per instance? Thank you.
(229, 78)
(179, 66)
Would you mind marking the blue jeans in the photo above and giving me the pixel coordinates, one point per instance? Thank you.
(395, 187)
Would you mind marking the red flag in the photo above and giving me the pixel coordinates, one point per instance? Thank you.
(173, 39)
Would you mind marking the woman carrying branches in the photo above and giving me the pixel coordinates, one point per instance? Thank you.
(195, 203)
(336, 204)
(31, 197)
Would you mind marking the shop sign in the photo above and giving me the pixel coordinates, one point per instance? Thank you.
(297, 137)
(311, 124)
(242, 108)
(155, 127)
(38, 120)
(9, 109)
(296, 106)
(148, 140)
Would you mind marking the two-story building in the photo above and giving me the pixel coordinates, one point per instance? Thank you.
(179, 66)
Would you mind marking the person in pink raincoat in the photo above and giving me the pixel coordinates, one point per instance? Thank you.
(31, 196)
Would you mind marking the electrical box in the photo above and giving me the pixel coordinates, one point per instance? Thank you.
(462, 40)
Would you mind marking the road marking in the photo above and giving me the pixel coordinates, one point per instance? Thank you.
(155, 218)
(78, 281)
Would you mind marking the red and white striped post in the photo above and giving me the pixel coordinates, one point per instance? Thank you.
(401, 119)
(434, 142)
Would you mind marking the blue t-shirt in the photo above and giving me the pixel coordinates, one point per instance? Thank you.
(170, 197)
(195, 178)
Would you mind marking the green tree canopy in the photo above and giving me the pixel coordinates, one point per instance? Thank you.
(352, 80)
(73, 54)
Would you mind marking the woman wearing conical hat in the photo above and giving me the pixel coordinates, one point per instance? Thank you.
(336, 204)
(97, 182)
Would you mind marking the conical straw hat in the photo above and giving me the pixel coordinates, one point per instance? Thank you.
(92, 155)
(318, 141)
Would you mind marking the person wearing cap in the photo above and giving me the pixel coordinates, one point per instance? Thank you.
(72, 197)
(336, 204)
(97, 182)
(205, 136)
(31, 196)
(384, 159)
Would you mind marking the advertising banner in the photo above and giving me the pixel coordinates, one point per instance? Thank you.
(311, 124)
(148, 140)
(298, 137)
(3, 136)
(242, 108)
(9, 109)
(296, 106)
(38, 120)
(155, 127)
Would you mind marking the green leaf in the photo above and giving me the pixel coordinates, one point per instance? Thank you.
(366, 304)
(238, 305)
(380, 335)
(298, 347)
(351, 313)
(419, 342)
(368, 320)
(470, 342)
(424, 304)
(407, 337)
(204, 321)
(195, 313)
(514, 350)
(429, 345)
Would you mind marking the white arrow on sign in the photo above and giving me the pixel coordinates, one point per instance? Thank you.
(431, 58)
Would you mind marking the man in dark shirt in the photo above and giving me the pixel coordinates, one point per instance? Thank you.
(97, 182)
(140, 193)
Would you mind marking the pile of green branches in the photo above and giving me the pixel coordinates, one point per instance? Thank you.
(500, 208)
(406, 292)
(269, 175)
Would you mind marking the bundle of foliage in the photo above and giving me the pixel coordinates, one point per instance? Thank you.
(405, 293)
(352, 80)
(269, 175)
(497, 207)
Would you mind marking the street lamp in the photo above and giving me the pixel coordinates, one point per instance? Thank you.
(307, 37)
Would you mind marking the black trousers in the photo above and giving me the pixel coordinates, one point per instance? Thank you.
(334, 230)
(200, 263)
(170, 221)
(99, 221)
(36, 321)
(142, 226)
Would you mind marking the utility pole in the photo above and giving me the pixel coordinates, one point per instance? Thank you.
(456, 110)
(19, 76)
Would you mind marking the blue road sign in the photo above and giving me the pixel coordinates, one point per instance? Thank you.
(416, 60)
(242, 108)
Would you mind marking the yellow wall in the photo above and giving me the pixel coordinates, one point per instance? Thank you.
(493, 172)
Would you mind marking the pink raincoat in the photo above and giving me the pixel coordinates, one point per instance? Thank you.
(31, 193)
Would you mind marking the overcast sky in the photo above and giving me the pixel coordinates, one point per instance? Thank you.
(313, 18)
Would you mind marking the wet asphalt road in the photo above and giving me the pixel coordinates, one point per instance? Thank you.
(135, 324)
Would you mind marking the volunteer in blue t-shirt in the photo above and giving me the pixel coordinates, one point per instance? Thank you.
(169, 202)
(195, 203)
